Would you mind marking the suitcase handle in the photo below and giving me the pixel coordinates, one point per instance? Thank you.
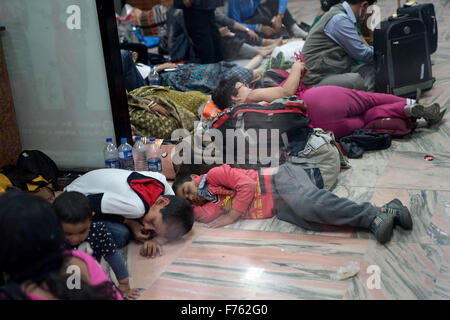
(398, 16)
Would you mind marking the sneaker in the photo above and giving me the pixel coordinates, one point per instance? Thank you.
(438, 119)
(382, 227)
(429, 112)
(402, 216)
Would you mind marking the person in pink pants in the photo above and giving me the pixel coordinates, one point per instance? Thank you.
(343, 110)
(331, 108)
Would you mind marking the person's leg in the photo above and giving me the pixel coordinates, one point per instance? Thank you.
(272, 7)
(367, 73)
(244, 35)
(216, 38)
(140, 48)
(352, 80)
(311, 207)
(120, 233)
(133, 78)
(343, 110)
(247, 51)
(197, 26)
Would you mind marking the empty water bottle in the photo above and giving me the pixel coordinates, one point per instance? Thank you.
(126, 155)
(154, 157)
(111, 154)
(140, 155)
(153, 77)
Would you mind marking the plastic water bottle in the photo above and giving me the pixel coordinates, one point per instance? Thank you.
(140, 155)
(153, 77)
(154, 157)
(126, 155)
(111, 154)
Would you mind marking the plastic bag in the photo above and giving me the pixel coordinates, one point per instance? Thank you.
(125, 23)
(289, 50)
(346, 272)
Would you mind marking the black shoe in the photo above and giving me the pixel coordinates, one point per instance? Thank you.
(382, 227)
(402, 216)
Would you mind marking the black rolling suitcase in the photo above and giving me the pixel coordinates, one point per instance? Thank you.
(426, 13)
(402, 58)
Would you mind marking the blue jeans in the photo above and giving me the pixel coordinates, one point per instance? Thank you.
(133, 78)
(120, 233)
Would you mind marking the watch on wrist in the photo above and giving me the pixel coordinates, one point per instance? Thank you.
(247, 29)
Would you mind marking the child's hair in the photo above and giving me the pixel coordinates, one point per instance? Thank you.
(222, 94)
(32, 246)
(72, 207)
(179, 180)
(178, 215)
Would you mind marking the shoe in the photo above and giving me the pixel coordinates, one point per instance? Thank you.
(402, 216)
(280, 61)
(382, 227)
(430, 112)
(437, 119)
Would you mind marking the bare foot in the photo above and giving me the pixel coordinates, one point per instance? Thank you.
(265, 51)
(270, 42)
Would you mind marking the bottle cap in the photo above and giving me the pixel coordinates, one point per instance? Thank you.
(108, 139)
(138, 138)
(123, 140)
(152, 139)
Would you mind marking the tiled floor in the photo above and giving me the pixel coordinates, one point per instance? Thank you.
(272, 259)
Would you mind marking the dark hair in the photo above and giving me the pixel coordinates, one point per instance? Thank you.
(179, 180)
(371, 2)
(325, 5)
(222, 94)
(72, 207)
(178, 216)
(32, 239)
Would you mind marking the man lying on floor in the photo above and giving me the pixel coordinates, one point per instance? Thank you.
(225, 194)
(142, 202)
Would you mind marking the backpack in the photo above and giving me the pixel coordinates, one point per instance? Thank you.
(285, 114)
(39, 163)
(271, 78)
(20, 178)
(321, 151)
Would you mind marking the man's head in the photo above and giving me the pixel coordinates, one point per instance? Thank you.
(359, 7)
(170, 217)
(224, 95)
(75, 214)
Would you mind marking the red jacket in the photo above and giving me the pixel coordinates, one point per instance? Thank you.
(237, 189)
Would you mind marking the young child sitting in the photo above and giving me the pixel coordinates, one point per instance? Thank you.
(225, 194)
(141, 202)
(75, 214)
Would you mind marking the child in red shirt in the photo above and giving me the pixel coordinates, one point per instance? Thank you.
(225, 194)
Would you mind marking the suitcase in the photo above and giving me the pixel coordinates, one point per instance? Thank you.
(426, 13)
(401, 55)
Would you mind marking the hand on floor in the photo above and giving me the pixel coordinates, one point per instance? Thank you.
(150, 249)
(132, 294)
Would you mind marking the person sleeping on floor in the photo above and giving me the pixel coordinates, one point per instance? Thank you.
(330, 108)
(224, 195)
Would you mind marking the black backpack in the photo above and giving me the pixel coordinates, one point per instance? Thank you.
(39, 163)
(288, 115)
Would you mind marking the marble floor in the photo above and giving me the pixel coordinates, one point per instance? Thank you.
(272, 259)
